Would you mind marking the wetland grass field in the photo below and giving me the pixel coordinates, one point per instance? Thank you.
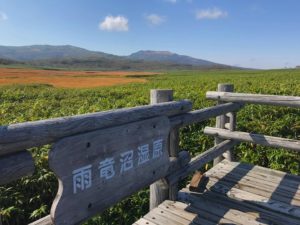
(40, 94)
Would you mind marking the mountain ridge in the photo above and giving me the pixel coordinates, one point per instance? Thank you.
(68, 56)
(150, 55)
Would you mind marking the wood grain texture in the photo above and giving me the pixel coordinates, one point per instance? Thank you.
(279, 193)
(200, 160)
(259, 188)
(254, 138)
(237, 193)
(174, 150)
(96, 188)
(209, 206)
(200, 115)
(43, 221)
(221, 121)
(17, 137)
(219, 205)
(143, 221)
(160, 95)
(175, 164)
(266, 172)
(15, 166)
(159, 190)
(276, 100)
(229, 155)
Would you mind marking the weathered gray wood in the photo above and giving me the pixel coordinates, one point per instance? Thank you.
(174, 149)
(162, 217)
(257, 182)
(229, 155)
(249, 185)
(256, 199)
(160, 96)
(254, 138)
(143, 221)
(217, 208)
(174, 142)
(221, 121)
(185, 211)
(159, 191)
(17, 137)
(15, 166)
(200, 115)
(175, 164)
(220, 214)
(275, 192)
(179, 162)
(227, 126)
(200, 160)
(263, 214)
(43, 221)
(290, 101)
(100, 168)
(266, 171)
(173, 152)
(227, 201)
(285, 196)
(260, 174)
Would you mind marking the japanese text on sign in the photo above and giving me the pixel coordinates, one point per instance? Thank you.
(82, 177)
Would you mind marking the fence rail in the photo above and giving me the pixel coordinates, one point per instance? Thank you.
(254, 138)
(200, 160)
(275, 100)
(17, 137)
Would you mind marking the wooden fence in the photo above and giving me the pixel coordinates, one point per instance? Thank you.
(101, 158)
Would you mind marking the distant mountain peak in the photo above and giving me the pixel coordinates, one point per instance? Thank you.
(45, 52)
(151, 52)
(64, 55)
(167, 56)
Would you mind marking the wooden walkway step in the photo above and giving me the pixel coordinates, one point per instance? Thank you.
(237, 193)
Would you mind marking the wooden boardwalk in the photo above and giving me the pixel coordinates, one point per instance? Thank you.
(237, 193)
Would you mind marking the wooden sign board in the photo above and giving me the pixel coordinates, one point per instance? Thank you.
(99, 168)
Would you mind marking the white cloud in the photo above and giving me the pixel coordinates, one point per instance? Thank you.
(3, 16)
(117, 23)
(211, 14)
(155, 19)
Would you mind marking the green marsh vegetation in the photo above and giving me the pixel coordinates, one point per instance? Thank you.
(30, 198)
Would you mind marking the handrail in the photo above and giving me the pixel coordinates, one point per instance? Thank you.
(17, 137)
(254, 138)
(276, 100)
(200, 115)
(20, 136)
(200, 160)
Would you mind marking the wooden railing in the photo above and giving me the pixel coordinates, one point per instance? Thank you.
(139, 146)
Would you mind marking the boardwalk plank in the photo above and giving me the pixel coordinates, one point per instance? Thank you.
(237, 194)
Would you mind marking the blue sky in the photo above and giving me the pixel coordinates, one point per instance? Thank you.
(256, 33)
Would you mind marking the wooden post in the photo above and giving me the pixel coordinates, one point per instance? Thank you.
(174, 149)
(160, 96)
(159, 191)
(232, 126)
(221, 121)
